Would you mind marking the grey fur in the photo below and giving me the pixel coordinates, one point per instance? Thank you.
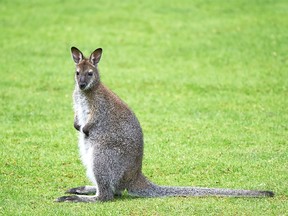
(111, 143)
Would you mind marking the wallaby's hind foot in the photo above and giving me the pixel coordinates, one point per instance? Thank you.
(102, 197)
(88, 190)
(77, 199)
(83, 190)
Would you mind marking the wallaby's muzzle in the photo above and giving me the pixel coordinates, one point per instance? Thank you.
(82, 85)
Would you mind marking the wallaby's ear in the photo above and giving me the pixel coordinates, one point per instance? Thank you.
(77, 55)
(96, 56)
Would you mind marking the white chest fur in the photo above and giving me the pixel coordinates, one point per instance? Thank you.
(81, 109)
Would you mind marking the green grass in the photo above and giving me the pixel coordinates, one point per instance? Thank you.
(207, 79)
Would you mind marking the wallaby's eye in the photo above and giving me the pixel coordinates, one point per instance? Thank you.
(77, 73)
(90, 73)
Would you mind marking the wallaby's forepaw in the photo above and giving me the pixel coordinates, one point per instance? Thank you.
(68, 199)
(85, 130)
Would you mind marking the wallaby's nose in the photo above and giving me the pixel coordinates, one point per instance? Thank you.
(82, 86)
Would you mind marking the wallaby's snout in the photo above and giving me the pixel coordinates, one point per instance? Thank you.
(82, 83)
(82, 86)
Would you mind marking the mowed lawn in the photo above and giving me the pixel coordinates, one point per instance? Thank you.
(208, 81)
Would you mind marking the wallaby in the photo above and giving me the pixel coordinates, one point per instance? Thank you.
(111, 144)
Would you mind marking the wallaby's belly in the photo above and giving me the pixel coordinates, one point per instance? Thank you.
(86, 154)
(116, 162)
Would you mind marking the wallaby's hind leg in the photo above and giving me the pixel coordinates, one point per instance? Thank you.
(104, 194)
(83, 190)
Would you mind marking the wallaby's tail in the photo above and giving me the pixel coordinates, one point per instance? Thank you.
(145, 188)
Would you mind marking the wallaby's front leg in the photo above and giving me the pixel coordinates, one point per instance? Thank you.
(89, 124)
(87, 128)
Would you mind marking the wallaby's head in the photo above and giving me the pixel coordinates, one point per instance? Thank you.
(86, 74)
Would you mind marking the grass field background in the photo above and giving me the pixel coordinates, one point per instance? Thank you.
(208, 81)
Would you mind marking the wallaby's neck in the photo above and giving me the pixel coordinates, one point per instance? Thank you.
(99, 96)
